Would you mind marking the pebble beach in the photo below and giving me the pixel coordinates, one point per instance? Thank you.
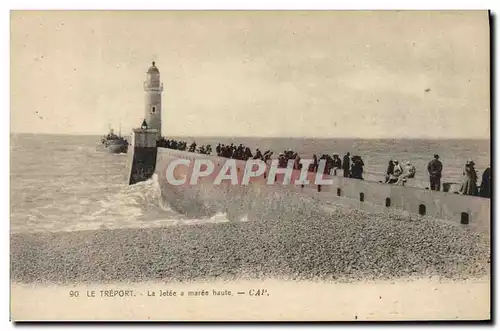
(282, 237)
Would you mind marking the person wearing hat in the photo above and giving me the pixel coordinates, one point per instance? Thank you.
(410, 170)
(389, 171)
(346, 164)
(313, 167)
(282, 160)
(435, 168)
(469, 185)
(357, 167)
(336, 164)
(397, 171)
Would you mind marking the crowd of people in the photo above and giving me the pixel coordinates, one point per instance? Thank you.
(241, 152)
(352, 166)
(182, 146)
(172, 144)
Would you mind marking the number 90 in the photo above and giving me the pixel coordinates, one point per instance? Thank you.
(74, 294)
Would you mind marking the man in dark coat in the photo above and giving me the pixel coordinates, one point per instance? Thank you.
(337, 162)
(346, 164)
(435, 168)
(485, 189)
(258, 155)
(357, 167)
(313, 167)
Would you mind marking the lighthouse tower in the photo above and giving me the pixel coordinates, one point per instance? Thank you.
(153, 88)
(143, 161)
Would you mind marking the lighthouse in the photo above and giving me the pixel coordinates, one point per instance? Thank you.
(143, 158)
(153, 89)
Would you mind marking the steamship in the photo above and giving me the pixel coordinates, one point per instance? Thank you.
(115, 143)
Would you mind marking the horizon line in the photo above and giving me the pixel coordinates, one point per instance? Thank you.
(267, 137)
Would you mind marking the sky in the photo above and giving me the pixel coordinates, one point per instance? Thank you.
(362, 74)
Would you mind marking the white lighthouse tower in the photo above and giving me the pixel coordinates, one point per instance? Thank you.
(153, 88)
(143, 160)
(150, 131)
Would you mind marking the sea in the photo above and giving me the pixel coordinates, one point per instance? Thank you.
(70, 183)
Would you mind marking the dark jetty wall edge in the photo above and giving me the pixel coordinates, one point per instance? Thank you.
(143, 164)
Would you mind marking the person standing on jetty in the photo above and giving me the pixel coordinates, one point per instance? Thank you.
(435, 168)
(390, 171)
(346, 164)
(357, 167)
(313, 167)
(336, 164)
(469, 186)
(485, 189)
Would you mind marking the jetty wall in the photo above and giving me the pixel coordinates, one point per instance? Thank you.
(366, 195)
(142, 160)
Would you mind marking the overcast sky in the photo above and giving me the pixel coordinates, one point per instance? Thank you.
(315, 74)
